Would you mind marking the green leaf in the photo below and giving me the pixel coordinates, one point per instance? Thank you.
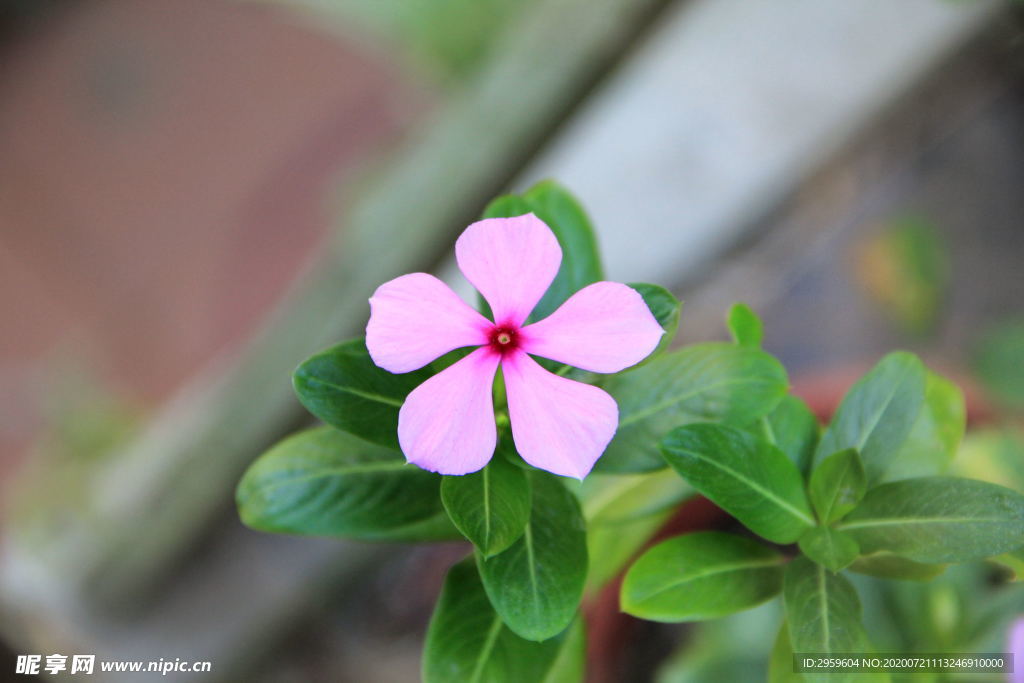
(344, 388)
(623, 513)
(581, 261)
(666, 309)
(888, 566)
(467, 641)
(877, 414)
(701, 576)
(780, 664)
(703, 382)
(490, 507)
(938, 519)
(746, 476)
(999, 362)
(794, 429)
(507, 206)
(610, 547)
(831, 549)
(570, 665)
(935, 437)
(744, 326)
(837, 484)
(822, 609)
(622, 498)
(536, 584)
(327, 483)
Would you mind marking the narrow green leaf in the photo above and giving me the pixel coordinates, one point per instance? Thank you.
(832, 549)
(780, 664)
(935, 437)
(746, 476)
(794, 429)
(877, 414)
(344, 388)
(837, 484)
(666, 309)
(703, 382)
(536, 585)
(720, 651)
(822, 610)
(744, 326)
(622, 498)
(570, 665)
(701, 576)
(610, 547)
(888, 566)
(327, 483)
(467, 641)
(938, 519)
(490, 507)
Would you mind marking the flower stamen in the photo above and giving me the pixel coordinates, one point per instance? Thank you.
(504, 338)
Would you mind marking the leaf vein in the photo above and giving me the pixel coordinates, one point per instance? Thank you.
(368, 395)
(864, 523)
(368, 468)
(663, 405)
(795, 512)
(720, 569)
(485, 650)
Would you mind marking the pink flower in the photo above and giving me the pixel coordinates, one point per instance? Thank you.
(1015, 646)
(447, 423)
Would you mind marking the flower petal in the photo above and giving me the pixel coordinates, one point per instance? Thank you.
(558, 425)
(446, 424)
(511, 262)
(604, 327)
(417, 318)
(1016, 648)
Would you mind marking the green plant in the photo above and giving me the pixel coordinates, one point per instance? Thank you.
(864, 495)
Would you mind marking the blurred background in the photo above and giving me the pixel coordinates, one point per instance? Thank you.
(197, 194)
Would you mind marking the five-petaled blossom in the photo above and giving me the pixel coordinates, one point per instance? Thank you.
(447, 424)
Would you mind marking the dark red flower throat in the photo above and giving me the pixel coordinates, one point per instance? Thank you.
(504, 338)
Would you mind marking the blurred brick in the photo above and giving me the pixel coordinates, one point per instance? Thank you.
(163, 170)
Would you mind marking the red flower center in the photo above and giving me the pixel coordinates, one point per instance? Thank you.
(504, 338)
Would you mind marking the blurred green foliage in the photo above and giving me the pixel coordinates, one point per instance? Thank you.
(732, 649)
(994, 454)
(447, 37)
(998, 361)
(967, 609)
(86, 419)
(905, 270)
